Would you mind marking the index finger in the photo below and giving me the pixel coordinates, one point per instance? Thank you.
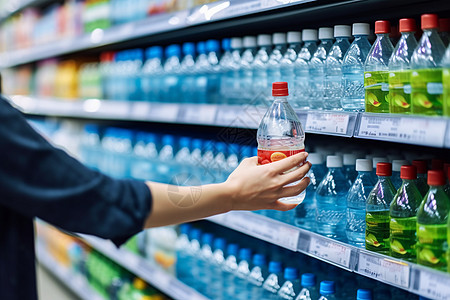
(289, 162)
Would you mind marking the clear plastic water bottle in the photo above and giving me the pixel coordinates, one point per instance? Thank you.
(145, 157)
(356, 202)
(106, 72)
(166, 167)
(246, 71)
(333, 89)
(330, 200)
(220, 162)
(376, 75)
(287, 63)
(421, 181)
(171, 85)
(396, 166)
(259, 70)
(91, 146)
(117, 146)
(275, 58)
(213, 71)
(229, 269)
(242, 272)
(182, 253)
(134, 65)
(305, 213)
(151, 74)
(301, 68)
(231, 91)
(309, 290)
(280, 133)
(353, 69)
(187, 74)
(327, 290)
(363, 294)
(214, 287)
(426, 69)
(193, 250)
(256, 278)
(316, 87)
(205, 263)
(291, 286)
(201, 79)
(377, 210)
(400, 69)
(349, 167)
(227, 70)
(273, 281)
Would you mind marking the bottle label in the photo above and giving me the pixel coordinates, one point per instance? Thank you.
(269, 156)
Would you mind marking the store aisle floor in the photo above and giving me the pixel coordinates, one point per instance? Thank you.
(49, 288)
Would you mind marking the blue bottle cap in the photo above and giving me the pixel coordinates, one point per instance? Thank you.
(290, 273)
(275, 267)
(168, 140)
(208, 145)
(184, 141)
(196, 144)
(363, 294)
(327, 287)
(201, 47)
(154, 52)
(232, 249)
(259, 260)
(212, 46)
(138, 54)
(91, 128)
(221, 147)
(308, 279)
(220, 243)
(195, 234)
(226, 44)
(207, 238)
(189, 49)
(185, 228)
(245, 254)
(173, 50)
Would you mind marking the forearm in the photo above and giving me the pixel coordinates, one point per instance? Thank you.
(178, 204)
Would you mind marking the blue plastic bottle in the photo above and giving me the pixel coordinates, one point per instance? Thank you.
(331, 200)
(316, 87)
(187, 74)
(260, 64)
(151, 74)
(327, 290)
(305, 212)
(309, 289)
(171, 85)
(356, 202)
(213, 71)
(301, 69)
(353, 69)
(291, 286)
(273, 281)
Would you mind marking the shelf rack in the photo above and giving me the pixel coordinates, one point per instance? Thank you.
(408, 276)
(416, 130)
(75, 282)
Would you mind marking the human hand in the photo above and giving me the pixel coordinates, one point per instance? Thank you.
(254, 187)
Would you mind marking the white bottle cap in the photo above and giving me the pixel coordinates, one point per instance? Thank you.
(325, 33)
(294, 37)
(236, 43)
(342, 31)
(315, 158)
(309, 34)
(249, 41)
(376, 160)
(349, 159)
(334, 161)
(264, 40)
(279, 38)
(398, 163)
(361, 29)
(364, 165)
(394, 157)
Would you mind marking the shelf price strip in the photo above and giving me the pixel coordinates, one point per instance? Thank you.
(330, 251)
(333, 123)
(431, 284)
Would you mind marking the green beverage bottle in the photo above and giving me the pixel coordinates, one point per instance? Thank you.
(403, 211)
(446, 81)
(376, 83)
(399, 69)
(432, 224)
(426, 74)
(377, 210)
(421, 181)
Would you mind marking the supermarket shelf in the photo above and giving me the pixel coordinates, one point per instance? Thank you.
(75, 282)
(408, 276)
(153, 274)
(418, 130)
(14, 7)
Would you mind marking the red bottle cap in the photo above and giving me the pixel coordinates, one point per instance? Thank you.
(444, 25)
(436, 177)
(407, 25)
(429, 21)
(421, 166)
(382, 27)
(384, 169)
(280, 89)
(447, 170)
(107, 56)
(408, 172)
(437, 164)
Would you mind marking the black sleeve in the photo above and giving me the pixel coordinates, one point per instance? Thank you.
(39, 180)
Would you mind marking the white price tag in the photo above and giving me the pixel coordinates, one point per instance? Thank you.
(432, 285)
(379, 127)
(330, 251)
(115, 109)
(164, 112)
(384, 269)
(140, 110)
(327, 122)
(199, 114)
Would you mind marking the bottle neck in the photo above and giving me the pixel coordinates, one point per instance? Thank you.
(384, 178)
(279, 99)
(341, 38)
(364, 172)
